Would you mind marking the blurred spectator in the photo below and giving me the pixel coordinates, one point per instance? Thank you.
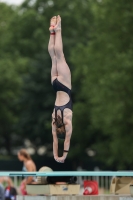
(9, 193)
(28, 165)
(2, 196)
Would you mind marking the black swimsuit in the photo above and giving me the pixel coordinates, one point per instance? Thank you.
(60, 87)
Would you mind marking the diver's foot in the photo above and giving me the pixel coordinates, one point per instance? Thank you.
(52, 24)
(58, 24)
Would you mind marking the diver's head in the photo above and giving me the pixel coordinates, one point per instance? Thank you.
(60, 128)
(61, 133)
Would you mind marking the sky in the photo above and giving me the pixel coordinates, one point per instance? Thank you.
(15, 2)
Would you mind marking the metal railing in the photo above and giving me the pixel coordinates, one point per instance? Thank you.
(103, 182)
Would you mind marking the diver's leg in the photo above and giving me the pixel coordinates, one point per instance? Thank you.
(51, 50)
(64, 74)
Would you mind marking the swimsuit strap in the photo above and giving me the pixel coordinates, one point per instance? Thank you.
(55, 114)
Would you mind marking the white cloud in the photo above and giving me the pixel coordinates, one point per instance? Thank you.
(15, 2)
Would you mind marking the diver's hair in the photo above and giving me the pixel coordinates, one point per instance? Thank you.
(60, 127)
(23, 152)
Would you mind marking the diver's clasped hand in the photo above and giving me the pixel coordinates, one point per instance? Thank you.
(60, 159)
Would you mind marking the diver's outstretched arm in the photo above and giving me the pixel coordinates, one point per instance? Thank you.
(68, 128)
(55, 142)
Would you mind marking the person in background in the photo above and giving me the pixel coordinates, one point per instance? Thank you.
(28, 166)
(2, 196)
(10, 192)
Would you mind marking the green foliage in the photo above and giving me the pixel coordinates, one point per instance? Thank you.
(37, 101)
(107, 81)
(98, 46)
(5, 35)
(10, 84)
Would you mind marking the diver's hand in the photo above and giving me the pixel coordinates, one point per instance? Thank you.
(56, 157)
(60, 159)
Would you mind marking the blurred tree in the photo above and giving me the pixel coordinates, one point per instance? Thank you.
(98, 46)
(11, 68)
(107, 66)
(5, 17)
(10, 85)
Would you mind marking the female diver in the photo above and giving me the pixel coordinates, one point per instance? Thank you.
(61, 81)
